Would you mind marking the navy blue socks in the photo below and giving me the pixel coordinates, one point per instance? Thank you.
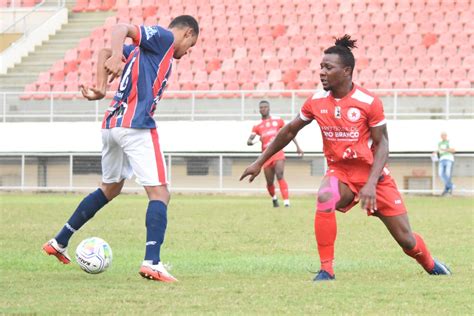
(156, 221)
(84, 212)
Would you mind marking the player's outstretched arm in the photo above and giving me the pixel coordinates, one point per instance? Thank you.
(299, 151)
(284, 136)
(114, 65)
(97, 93)
(251, 138)
(367, 194)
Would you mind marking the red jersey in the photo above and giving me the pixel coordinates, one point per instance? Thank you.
(267, 130)
(345, 124)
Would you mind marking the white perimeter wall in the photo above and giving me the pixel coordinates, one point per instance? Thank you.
(40, 31)
(222, 136)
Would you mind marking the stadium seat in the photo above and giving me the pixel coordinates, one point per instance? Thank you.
(459, 74)
(274, 75)
(42, 91)
(286, 38)
(28, 92)
(245, 76)
(438, 62)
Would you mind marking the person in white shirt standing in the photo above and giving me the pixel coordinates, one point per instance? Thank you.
(446, 163)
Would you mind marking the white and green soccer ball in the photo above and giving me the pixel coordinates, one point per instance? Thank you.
(94, 255)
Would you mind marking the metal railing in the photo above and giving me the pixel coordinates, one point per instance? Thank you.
(25, 28)
(213, 172)
(233, 104)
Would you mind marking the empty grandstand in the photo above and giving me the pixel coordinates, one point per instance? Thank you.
(417, 54)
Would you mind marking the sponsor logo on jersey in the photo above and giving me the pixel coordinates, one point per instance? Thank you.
(337, 112)
(275, 123)
(324, 111)
(150, 31)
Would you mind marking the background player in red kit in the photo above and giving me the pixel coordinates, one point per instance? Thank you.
(267, 129)
(355, 143)
(129, 136)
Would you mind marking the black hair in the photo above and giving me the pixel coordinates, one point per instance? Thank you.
(185, 21)
(343, 47)
(263, 101)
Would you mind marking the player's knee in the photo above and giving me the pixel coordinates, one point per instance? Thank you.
(111, 190)
(406, 240)
(160, 193)
(328, 196)
(326, 202)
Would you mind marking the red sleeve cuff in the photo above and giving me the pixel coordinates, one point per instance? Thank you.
(136, 41)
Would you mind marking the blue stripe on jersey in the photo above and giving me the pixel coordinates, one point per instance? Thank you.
(149, 54)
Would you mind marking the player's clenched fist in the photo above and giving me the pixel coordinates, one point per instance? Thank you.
(253, 170)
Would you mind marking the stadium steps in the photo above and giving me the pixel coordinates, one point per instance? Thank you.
(79, 26)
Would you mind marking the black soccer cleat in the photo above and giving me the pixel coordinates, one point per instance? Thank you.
(275, 203)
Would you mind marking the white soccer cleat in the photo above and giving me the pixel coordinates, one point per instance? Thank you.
(52, 248)
(156, 272)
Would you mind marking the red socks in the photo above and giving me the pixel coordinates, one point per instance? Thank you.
(283, 189)
(421, 253)
(325, 230)
(271, 190)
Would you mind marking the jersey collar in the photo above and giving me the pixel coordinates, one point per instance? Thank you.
(331, 97)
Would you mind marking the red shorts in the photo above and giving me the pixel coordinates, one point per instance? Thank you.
(270, 163)
(389, 200)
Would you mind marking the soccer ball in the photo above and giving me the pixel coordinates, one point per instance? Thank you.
(94, 255)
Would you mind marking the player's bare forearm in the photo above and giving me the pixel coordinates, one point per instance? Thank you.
(283, 138)
(250, 140)
(102, 75)
(298, 148)
(380, 138)
(98, 92)
(114, 64)
(119, 33)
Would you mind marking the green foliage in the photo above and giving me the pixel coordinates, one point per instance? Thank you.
(234, 255)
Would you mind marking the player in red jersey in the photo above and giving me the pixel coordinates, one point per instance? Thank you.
(267, 129)
(355, 142)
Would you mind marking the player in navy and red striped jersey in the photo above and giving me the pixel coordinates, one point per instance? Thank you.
(129, 136)
(267, 129)
(355, 144)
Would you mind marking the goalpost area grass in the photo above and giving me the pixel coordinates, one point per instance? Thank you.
(234, 255)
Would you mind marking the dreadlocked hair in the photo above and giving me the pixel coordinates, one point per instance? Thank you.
(343, 47)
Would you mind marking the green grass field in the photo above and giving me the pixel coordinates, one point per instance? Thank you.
(234, 255)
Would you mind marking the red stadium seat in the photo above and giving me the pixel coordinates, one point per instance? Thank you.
(459, 74)
(438, 62)
(259, 75)
(245, 75)
(230, 76)
(274, 75)
(468, 62)
(215, 77)
(200, 76)
(396, 75)
(216, 86)
(80, 5)
(412, 74)
(28, 92)
(44, 88)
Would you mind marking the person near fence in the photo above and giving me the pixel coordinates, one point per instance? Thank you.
(446, 163)
(355, 144)
(129, 136)
(267, 129)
